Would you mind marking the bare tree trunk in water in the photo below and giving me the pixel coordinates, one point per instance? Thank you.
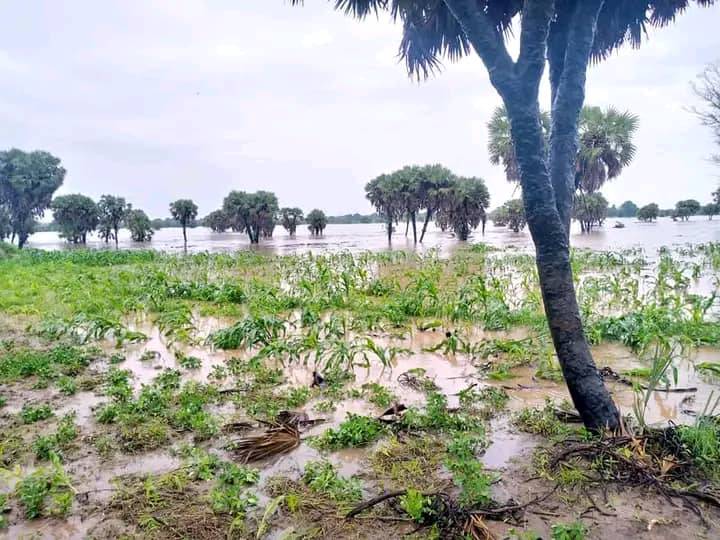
(407, 224)
(548, 185)
(389, 229)
(414, 224)
(428, 215)
(184, 238)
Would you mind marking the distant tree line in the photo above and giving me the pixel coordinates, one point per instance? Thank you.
(682, 211)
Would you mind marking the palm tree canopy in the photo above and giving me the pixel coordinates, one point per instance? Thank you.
(606, 146)
(500, 145)
(431, 32)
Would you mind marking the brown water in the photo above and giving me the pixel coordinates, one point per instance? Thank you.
(372, 237)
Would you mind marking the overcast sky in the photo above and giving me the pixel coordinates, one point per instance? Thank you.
(161, 99)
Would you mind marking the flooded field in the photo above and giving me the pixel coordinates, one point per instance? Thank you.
(249, 395)
(372, 237)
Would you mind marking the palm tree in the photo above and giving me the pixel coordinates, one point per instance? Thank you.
(184, 211)
(566, 36)
(433, 183)
(382, 192)
(500, 145)
(464, 206)
(317, 221)
(606, 146)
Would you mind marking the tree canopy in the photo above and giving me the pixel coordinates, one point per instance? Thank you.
(648, 213)
(590, 210)
(112, 211)
(76, 215)
(317, 221)
(289, 219)
(253, 213)
(139, 224)
(627, 209)
(464, 206)
(184, 211)
(686, 208)
(511, 214)
(217, 220)
(28, 181)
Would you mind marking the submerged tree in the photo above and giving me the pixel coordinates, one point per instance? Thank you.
(317, 221)
(217, 221)
(184, 211)
(627, 209)
(566, 34)
(139, 225)
(648, 213)
(464, 206)
(111, 213)
(511, 214)
(76, 215)
(433, 183)
(289, 219)
(685, 209)
(253, 213)
(27, 183)
(590, 210)
(382, 194)
(710, 210)
(5, 228)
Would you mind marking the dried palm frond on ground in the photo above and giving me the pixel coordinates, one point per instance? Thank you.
(276, 440)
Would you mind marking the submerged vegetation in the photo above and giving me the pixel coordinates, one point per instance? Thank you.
(408, 360)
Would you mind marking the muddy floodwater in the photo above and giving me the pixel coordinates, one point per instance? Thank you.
(265, 395)
(372, 236)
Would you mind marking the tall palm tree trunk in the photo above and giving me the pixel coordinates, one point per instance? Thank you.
(414, 225)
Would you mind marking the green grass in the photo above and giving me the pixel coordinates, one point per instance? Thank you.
(321, 477)
(35, 413)
(355, 431)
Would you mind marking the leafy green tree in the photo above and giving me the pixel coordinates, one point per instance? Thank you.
(253, 213)
(613, 211)
(627, 209)
(382, 192)
(317, 221)
(648, 213)
(716, 196)
(511, 214)
(408, 194)
(289, 219)
(111, 213)
(217, 220)
(566, 35)
(28, 181)
(184, 211)
(139, 224)
(76, 215)
(707, 89)
(710, 210)
(605, 148)
(590, 209)
(464, 206)
(685, 209)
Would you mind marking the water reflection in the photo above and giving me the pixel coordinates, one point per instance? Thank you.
(371, 236)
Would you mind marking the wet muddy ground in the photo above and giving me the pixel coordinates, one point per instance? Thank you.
(99, 467)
